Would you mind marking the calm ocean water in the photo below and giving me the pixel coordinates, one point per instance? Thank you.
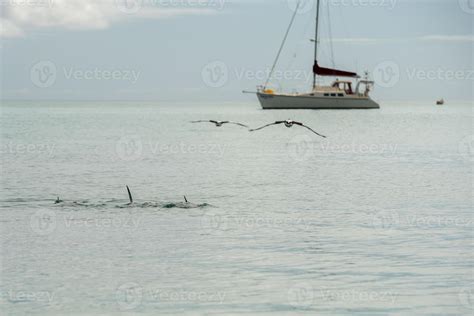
(375, 220)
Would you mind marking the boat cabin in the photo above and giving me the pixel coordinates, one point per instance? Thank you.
(345, 86)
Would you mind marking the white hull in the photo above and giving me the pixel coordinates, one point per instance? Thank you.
(283, 101)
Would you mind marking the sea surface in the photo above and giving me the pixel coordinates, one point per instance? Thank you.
(377, 219)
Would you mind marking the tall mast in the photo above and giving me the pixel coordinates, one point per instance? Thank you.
(316, 40)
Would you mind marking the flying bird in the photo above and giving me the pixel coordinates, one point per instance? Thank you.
(289, 124)
(220, 123)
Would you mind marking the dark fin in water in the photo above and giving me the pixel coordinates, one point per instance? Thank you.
(185, 199)
(57, 201)
(129, 195)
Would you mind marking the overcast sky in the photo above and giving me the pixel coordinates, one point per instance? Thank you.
(211, 50)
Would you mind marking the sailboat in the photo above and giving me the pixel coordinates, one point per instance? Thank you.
(339, 95)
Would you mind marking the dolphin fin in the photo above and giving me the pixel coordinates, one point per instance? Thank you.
(129, 195)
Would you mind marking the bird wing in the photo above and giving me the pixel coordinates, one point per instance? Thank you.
(301, 124)
(240, 124)
(257, 129)
(202, 121)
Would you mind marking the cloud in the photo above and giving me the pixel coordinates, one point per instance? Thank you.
(21, 16)
(9, 29)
